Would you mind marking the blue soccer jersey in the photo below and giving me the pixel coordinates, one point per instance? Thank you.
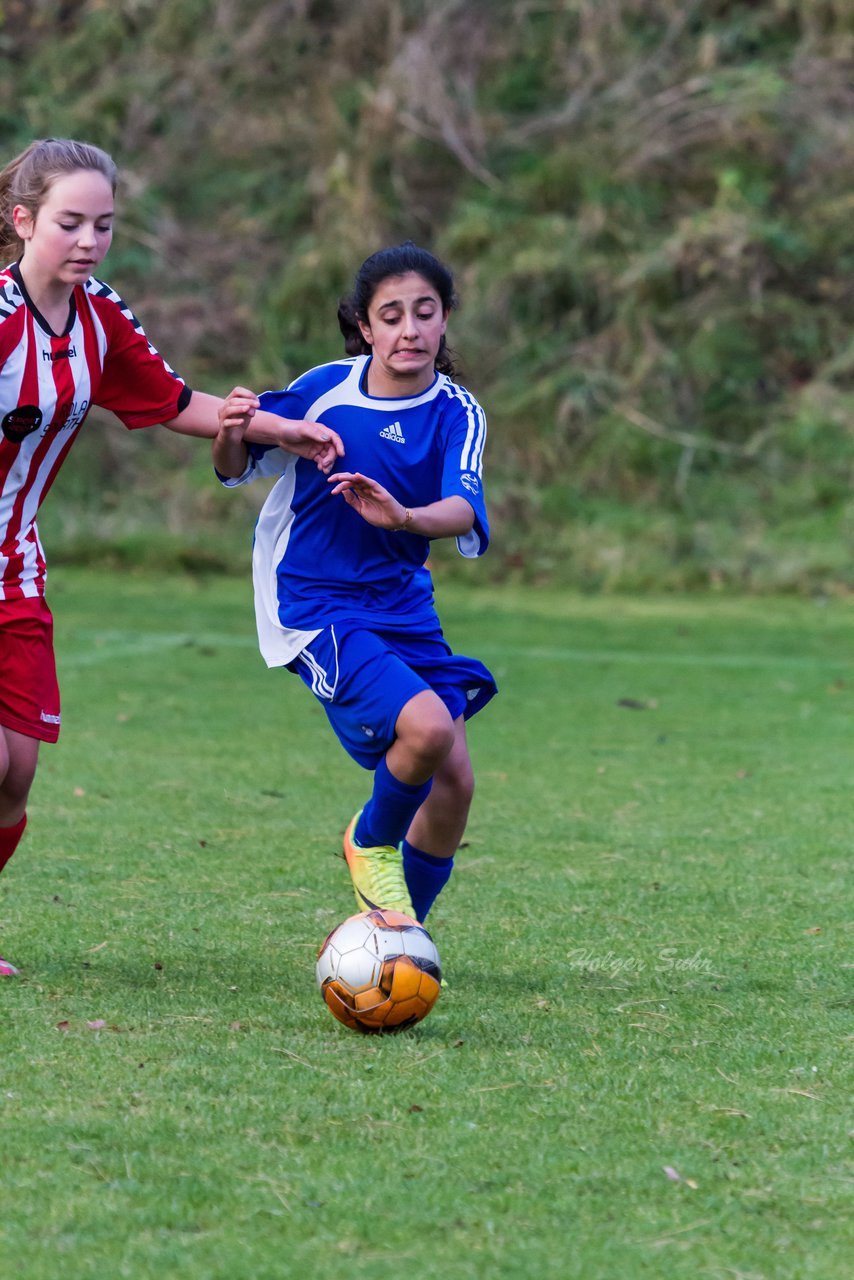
(317, 561)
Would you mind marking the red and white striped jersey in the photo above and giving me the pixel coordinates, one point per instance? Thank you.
(47, 385)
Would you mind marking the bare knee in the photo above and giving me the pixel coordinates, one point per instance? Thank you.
(18, 760)
(431, 742)
(425, 733)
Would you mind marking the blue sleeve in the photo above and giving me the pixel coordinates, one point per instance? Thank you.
(288, 403)
(462, 473)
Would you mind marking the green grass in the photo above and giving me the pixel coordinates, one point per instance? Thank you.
(645, 944)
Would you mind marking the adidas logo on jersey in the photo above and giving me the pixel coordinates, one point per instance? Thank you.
(393, 432)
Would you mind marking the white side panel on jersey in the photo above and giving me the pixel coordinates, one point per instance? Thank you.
(279, 645)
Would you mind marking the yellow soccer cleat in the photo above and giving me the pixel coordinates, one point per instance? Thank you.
(377, 875)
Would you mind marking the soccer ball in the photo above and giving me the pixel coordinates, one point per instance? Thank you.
(379, 971)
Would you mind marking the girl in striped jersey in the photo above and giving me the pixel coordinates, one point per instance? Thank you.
(343, 596)
(68, 341)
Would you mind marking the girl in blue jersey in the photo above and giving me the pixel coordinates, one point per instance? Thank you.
(342, 594)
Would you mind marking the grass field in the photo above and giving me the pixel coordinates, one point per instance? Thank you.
(641, 1066)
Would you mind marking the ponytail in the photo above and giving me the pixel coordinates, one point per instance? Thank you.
(348, 323)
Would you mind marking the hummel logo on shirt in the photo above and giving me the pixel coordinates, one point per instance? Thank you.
(393, 432)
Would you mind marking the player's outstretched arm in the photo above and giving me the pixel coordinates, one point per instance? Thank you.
(310, 440)
(448, 518)
(234, 416)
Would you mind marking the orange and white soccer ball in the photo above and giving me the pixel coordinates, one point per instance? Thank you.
(379, 971)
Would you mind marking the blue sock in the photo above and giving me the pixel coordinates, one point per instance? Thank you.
(426, 877)
(386, 817)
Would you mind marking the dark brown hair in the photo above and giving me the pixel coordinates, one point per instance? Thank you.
(396, 261)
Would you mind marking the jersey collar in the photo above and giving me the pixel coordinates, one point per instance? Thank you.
(15, 272)
(363, 386)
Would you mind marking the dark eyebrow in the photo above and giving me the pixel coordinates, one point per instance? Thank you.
(419, 302)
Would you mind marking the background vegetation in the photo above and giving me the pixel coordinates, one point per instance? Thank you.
(648, 205)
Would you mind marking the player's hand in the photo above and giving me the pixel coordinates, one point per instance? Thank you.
(312, 440)
(236, 412)
(373, 503)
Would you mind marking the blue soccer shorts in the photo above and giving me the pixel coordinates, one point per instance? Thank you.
(364, 679)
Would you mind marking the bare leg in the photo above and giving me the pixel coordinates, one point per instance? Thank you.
(424, 737)
(19, 756)
(438, 826)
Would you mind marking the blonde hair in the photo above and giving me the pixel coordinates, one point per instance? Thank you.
(27, 179)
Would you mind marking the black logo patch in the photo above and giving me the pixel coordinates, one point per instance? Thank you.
(21, 422)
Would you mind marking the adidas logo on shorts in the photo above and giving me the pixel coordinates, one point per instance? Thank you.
(393, 432)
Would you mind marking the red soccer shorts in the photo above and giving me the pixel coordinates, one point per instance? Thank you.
(29, 692)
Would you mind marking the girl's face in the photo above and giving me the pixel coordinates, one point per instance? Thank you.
(405, 327)
(71, 232)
